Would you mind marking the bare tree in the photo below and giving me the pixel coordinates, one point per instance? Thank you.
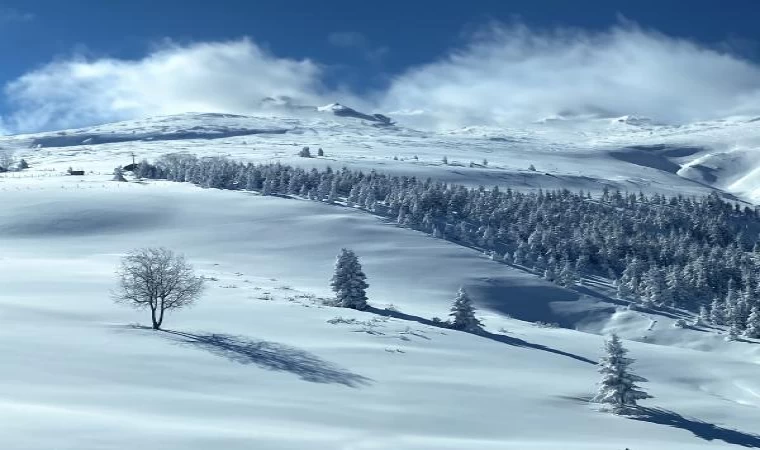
(159, 280)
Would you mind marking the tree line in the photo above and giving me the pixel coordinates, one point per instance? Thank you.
(689, 252)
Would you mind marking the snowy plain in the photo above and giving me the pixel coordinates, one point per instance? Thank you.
(261, 363)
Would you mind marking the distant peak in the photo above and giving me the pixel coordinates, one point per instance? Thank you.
(344, 111)
(633, 120)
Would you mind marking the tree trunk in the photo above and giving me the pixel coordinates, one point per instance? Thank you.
(161, 310)
(156, 323)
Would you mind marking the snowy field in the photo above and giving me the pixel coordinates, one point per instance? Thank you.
(259, 362)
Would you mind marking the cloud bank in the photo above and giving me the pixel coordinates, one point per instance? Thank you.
(502, 75)
(508, 74)
(219, 77)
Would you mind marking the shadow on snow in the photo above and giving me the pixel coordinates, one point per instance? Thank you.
(269, 355)
(483, 333)
(704, 430)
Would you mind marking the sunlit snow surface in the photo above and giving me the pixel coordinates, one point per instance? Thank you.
(260, 363)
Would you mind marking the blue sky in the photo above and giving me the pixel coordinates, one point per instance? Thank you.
(393, 56)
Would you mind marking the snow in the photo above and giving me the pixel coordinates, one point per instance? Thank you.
(577, 154)
(260, 362)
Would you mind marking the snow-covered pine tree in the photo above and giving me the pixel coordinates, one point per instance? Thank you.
(427, 222)
(266, 188)
(733, 332)
(582, 263)
(703, 317)
(717, 313)
(333, 195)
(463, 313)
(118, 174)
(623, 292)
(519, 255)
(731, 306)
(143, 170)
(654, 288)
(487, 237)
(370, 201)
(353, 195)
(549, 274)
(540, 263)
(618, 389)
(673, 285)
(401, 218)
(348, 281)
(568, 276)
(753, 324)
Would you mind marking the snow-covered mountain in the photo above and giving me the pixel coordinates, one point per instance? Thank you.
(261, 362)
(629, 153)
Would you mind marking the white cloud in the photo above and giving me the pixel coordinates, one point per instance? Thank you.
(502, 76)
(509, 74)
(226, 76)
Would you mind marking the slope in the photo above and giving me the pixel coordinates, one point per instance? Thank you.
(260, 357)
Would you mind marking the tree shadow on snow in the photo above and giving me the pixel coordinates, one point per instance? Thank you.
(270, 356)
(504, 339)
(704, 430)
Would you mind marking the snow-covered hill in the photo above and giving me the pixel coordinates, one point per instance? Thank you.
(628, 153)
(261, 363)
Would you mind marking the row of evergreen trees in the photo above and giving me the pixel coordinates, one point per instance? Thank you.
(684, 252)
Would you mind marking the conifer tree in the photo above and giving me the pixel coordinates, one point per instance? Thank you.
(704, 315)
(623, 292)
(463, 313)
(348, 281)
(753, 324)
(731, 309)
(549, 274)
(618, 389)
(118, 174)
(733, 332)
(266, 188)
(519, 255)
(567, 276)
(333, 195)
(717, 313)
